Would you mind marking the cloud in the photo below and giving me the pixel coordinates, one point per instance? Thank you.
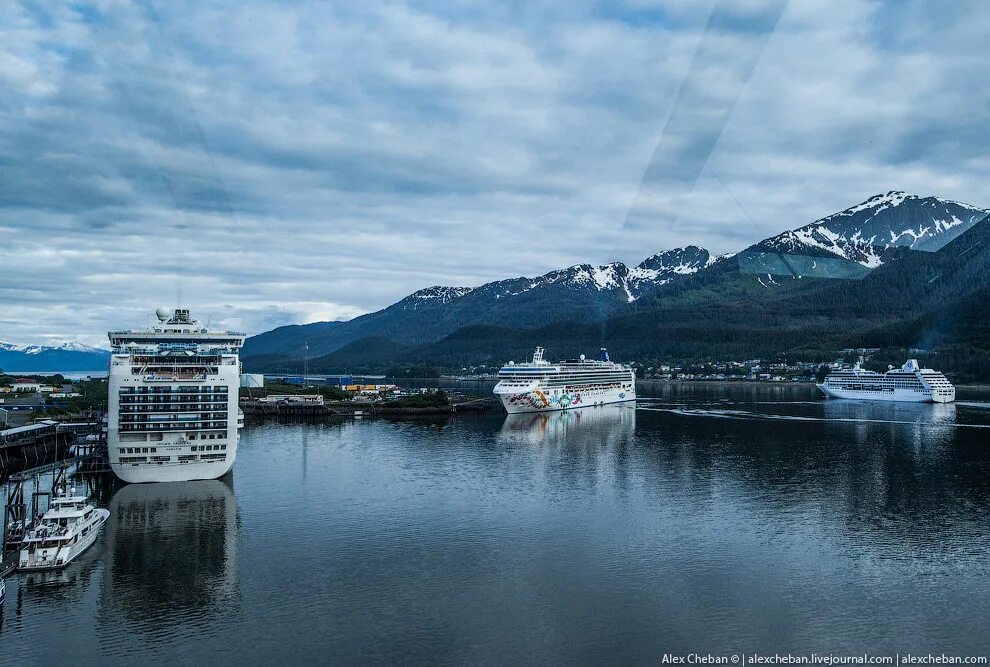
(268, 162)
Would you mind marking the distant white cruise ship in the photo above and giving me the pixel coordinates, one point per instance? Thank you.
(907, 383)
(539, 385)
(173, 412)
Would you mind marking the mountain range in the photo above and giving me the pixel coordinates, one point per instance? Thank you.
(803, 289)
(583, 292)
(47, 358)
(894, 270)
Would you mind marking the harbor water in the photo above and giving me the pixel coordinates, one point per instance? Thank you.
(708, 520)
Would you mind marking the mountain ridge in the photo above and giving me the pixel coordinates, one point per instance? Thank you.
(849, 245)
(592, 291)
(67, 356)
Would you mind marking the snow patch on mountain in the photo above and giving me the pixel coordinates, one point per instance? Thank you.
(436, 294)
(607, 277)
(878, 202)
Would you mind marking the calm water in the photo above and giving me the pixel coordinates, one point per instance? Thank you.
(708, 520)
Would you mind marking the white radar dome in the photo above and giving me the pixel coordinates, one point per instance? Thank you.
(163, 314)
(582, 357)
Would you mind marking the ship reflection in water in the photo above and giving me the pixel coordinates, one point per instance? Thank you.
(591, 425)
(172, 554)
(924, 425)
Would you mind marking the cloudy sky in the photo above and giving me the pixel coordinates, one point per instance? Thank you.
(266, 163)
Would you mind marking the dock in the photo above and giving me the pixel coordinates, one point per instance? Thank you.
(30, 455)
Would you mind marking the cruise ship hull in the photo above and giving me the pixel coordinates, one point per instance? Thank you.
(541, 401)
(172, 472)
(896, 395)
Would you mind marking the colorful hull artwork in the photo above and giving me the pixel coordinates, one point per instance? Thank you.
(537, 400)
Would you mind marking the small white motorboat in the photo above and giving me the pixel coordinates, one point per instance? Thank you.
(68, 528)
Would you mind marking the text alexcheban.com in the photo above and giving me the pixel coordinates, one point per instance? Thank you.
(820, 659)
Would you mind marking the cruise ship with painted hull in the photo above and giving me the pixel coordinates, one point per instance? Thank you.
(173, 390)
(540, 386)
(909, 383)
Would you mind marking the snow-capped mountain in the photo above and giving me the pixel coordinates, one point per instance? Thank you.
(69, 346)
(666, 266)
(583, 293)
(69, 356)
(865, 232)
(652, 272)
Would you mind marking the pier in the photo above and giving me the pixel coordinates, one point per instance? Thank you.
(35, 461)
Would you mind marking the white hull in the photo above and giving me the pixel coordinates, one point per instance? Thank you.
(173, 472)
(56, 559)
(538, 400)
(895, 395)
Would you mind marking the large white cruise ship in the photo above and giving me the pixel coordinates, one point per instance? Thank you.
(910, 382)
(173, 412)
(539, 385)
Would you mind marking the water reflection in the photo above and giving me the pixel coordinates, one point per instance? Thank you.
(172, 555)
(718, 522)
(887, 480)
(591, 425)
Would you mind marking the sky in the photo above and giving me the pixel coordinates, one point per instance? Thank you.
(269, 163)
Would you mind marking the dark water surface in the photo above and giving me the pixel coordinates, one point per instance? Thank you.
(722, 520)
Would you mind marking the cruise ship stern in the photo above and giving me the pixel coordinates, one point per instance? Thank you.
(173, 392)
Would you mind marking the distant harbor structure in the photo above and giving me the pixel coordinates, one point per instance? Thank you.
(173, 389)
(909, 383)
